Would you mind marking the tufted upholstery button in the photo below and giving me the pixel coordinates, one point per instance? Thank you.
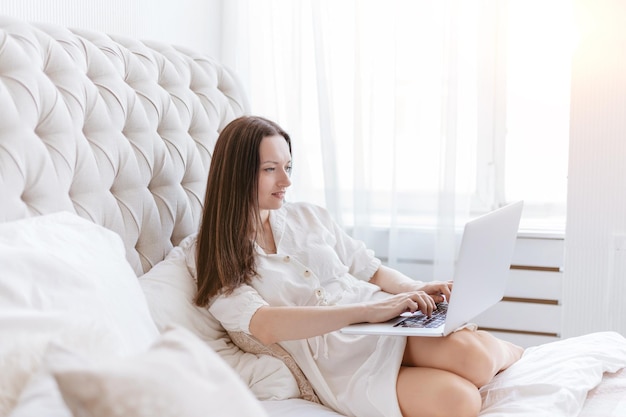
(306, 273)
(287, 259)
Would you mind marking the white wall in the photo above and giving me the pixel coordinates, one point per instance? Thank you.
(191, 23)
(595, 255)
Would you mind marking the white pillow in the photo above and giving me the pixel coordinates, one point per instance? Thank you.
(65, 278)
(169, 288)
(178, 376)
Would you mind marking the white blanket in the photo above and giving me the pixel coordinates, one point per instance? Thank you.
(553, 380)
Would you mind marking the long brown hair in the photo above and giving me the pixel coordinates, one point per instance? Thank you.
(225, 250)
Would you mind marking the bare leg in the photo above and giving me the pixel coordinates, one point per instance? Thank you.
(427, 392)
(474, 355)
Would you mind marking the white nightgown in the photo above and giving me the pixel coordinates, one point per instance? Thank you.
(318, 264)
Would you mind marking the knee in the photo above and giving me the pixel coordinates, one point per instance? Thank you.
(477, 360)
(460, 399)
(427, 392)
(464, 401)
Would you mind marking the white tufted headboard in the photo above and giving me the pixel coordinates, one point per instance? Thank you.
(114, 129)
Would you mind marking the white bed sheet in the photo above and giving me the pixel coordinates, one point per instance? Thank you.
(583, 376)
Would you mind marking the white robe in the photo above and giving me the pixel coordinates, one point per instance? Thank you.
(318, 264)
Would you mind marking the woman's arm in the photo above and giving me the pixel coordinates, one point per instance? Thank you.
(275, 324)
(395, 282)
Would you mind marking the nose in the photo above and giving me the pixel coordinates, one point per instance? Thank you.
(285, 179)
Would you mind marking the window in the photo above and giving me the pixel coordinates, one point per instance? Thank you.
(403, 112)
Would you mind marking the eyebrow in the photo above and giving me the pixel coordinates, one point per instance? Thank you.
(273, 162)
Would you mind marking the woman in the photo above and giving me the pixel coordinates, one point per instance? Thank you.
(286, 273)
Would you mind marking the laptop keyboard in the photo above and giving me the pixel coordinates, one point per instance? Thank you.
(435, 320)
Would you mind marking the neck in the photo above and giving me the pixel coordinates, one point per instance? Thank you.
(264, 235)
(264, 217)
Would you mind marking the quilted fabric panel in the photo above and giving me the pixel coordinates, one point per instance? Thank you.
(117, 130)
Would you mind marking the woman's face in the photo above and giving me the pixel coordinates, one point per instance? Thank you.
(274, 172)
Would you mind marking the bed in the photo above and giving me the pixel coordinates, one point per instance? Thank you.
(105, 143)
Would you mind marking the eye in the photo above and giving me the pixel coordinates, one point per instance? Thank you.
(288, 168)
(271, 169)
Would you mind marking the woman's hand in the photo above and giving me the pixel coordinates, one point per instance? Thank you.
(439, 290)
(383, 310)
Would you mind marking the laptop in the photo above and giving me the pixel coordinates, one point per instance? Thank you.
(480, 277)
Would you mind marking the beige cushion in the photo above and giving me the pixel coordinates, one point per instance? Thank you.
(250, 344)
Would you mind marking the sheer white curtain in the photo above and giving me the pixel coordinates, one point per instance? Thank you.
(385, 103)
